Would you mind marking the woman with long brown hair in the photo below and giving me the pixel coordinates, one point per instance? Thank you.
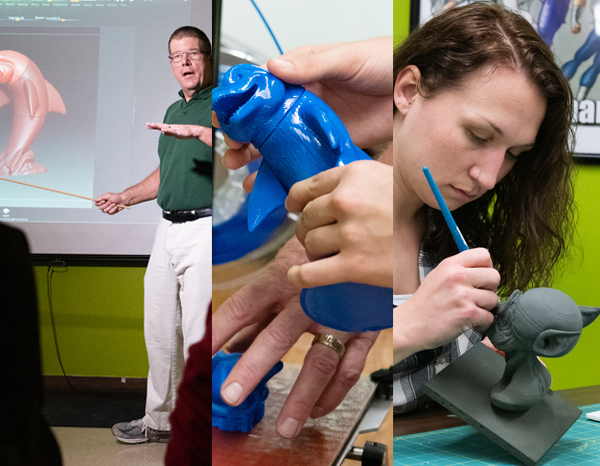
(480, 101)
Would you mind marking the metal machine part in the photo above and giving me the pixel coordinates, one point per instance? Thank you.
(372, 454)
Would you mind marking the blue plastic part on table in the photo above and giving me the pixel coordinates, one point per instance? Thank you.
(244, 417)
(298, 136)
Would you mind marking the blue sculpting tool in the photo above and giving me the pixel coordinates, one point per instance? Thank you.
(456, 234)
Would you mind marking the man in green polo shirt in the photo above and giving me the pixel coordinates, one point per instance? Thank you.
(178, 280)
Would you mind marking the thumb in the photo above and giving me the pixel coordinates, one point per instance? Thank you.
(294, 71)
(307, 65)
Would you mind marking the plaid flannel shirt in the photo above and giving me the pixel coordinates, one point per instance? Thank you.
(411, 373)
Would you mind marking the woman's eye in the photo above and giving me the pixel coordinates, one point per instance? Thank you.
(477, 138)
(509, 154)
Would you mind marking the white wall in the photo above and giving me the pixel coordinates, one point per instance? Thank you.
(304, 22)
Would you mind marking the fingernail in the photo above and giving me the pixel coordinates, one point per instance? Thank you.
(232, 393)
(283, 64)
(317, 412)
(288, 428)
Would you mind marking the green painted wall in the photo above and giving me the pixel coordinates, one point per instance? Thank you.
(580, 276)
(99, 321)
(401, 20)
(580, 280)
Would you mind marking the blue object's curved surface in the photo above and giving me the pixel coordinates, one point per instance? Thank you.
(349, 307)
(232, 240)
(298, 136)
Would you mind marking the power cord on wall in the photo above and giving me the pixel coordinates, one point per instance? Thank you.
(49, 274)
(268, 27)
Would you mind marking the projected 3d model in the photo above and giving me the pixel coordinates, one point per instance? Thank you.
(32, 97)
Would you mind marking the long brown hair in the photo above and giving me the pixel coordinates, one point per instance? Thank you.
(527, 220)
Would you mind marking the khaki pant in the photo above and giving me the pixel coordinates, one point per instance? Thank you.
(177, 293)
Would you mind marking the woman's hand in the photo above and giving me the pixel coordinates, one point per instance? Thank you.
(354, 78)
(456, 296)
(346, 225)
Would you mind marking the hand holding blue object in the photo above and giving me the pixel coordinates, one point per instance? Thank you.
(244, 417)
(456, 234)
(298, 136)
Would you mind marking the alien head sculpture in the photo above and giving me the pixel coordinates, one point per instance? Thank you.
(540, 322)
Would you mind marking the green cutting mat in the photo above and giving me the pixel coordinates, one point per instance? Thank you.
(465, 446)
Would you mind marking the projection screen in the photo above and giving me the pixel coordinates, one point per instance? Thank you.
(106, 61)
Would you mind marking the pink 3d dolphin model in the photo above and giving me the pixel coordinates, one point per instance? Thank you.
(22, 84)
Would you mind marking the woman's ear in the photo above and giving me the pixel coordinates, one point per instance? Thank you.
(406, 88)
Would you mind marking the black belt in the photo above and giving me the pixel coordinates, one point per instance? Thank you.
(181, 216)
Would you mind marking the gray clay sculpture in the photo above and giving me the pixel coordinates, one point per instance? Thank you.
(540, 322)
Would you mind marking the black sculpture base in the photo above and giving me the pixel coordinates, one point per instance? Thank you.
(464, 388)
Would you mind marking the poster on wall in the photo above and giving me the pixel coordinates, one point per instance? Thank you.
(572, 30)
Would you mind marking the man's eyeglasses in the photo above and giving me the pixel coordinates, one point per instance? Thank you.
(191, 54)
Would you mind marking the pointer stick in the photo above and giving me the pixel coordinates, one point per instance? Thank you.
(456, 234)
(56, 191)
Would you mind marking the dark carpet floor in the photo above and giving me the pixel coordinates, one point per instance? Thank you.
(85, 410)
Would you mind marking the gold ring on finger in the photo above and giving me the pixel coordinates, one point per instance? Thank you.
(332, 342)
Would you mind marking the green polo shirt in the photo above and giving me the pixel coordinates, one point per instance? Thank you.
(186, 164)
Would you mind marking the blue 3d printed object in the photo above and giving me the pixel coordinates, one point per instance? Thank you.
(298, 136)
(244, 417)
